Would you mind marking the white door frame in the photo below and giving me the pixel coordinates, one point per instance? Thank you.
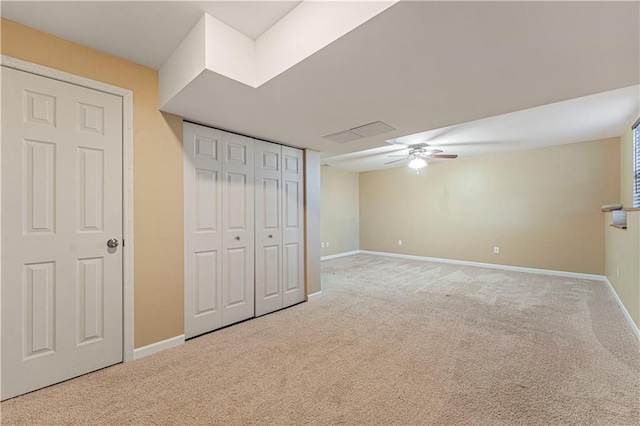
(127, 180)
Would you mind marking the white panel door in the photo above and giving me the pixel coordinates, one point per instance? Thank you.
(61, 201)
(268, 169)
(237, 228)
(203, 229)
(292, 225)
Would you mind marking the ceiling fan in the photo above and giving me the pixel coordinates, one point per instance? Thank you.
(419, 153)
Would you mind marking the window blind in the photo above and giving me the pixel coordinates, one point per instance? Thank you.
(636, 164)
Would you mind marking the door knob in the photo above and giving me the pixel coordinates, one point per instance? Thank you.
(238, 238)
(270, 236)
(112, 243)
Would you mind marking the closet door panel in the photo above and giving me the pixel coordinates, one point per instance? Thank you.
(203, 236)
(293, 225)
(268, 186)
(238, 228)
(292, 267)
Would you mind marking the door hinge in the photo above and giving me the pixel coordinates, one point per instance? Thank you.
(123, 242)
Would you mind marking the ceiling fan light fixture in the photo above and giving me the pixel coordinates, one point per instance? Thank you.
(417, 163)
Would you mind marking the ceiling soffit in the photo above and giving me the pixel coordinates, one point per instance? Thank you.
(215, 46)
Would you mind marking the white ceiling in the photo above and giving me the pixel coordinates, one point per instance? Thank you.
(599, 116)
(418, 66)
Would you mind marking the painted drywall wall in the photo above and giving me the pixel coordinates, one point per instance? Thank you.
(623, 261)
(622, 254)
(541, 207)
(158, 217)
(312, 197)
(340, 210)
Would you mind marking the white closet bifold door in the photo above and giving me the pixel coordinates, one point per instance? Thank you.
(237, 228)
(268, 167)
(292, 226)
(244, 229)
(203, 229)
(279, 227)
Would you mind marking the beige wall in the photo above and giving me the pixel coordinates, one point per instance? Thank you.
(623, 261)
(340, 212)
(158, 217)
(623, 246)
(541, 207)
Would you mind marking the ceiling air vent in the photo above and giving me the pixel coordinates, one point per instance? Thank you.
(342, 137)
(372, 129)
(366, 131)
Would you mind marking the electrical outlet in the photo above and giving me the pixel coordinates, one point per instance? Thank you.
(322, 245)
(618, 272)
(496, 250)
(399, 242)
(327, 243)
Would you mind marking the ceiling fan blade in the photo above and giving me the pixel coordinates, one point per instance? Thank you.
(399, 155)
(431, 151)
(395, 161)
(443, 156)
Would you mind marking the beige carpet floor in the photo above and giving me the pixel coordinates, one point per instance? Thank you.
(390, 342)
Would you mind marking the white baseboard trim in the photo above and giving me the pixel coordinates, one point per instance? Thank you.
(313, 296)
(335, 256)
(157, 347)
(634, 326)
(489, 265)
